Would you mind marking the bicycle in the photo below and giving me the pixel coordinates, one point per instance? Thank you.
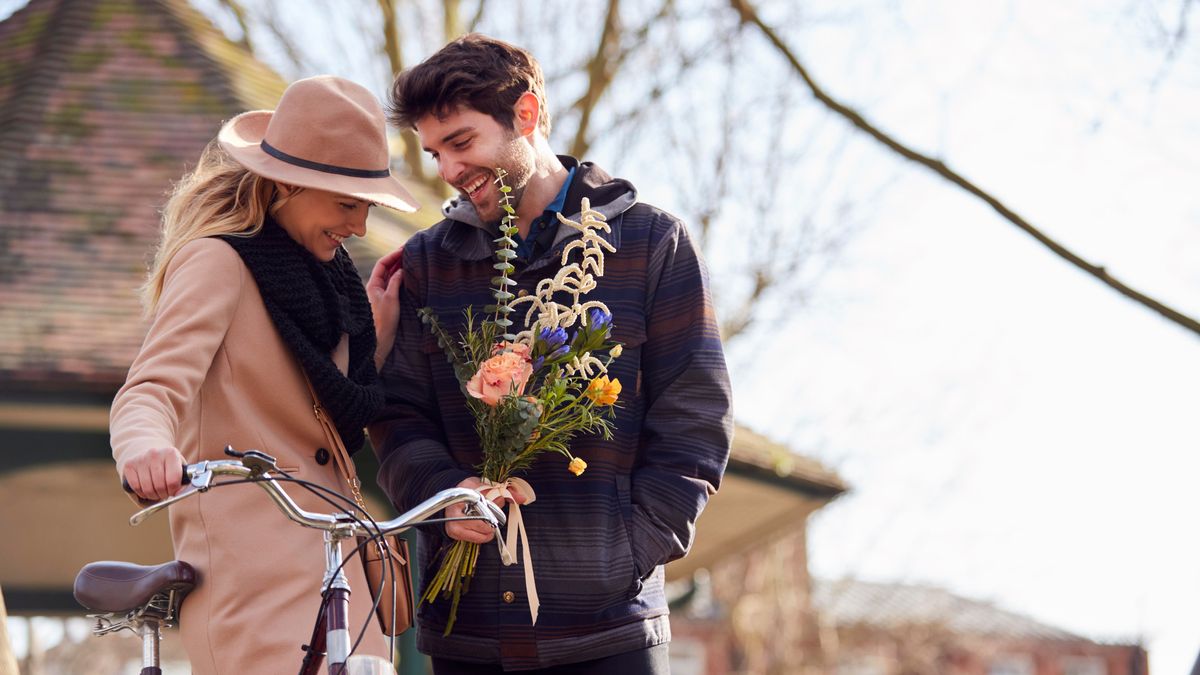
(144, 599)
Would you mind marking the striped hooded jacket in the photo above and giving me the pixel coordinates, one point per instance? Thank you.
(599, 540)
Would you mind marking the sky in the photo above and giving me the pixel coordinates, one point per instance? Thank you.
(1012, 429)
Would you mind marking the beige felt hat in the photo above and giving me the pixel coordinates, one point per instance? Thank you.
(326, 133)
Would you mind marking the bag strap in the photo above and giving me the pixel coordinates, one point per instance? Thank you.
(341, 457)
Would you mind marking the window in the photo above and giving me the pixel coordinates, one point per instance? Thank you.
(1011, 664)
(1084, 665)
(862, 665)
(688, 656)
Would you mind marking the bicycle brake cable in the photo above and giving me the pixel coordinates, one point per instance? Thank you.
(317, 490)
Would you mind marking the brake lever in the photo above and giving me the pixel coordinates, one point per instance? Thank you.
(257, 461)
(140, 516)
(498, 517)
(497, 513)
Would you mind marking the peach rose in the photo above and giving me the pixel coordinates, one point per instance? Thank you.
(519, 348)
(503, 374)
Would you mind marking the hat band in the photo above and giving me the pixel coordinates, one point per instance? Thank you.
(325, 168)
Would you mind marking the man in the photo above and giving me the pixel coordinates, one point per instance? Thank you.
(599, 540)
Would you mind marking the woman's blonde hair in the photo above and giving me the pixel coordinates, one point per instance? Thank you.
(218, 197)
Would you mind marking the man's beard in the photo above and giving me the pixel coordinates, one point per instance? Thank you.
(518, 162)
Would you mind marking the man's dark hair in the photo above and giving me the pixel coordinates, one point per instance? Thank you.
(474, 71)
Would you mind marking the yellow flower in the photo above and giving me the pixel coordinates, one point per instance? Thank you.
(603, 391)
(577, 466)
(615, 352)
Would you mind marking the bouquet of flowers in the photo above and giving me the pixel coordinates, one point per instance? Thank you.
(530, 391)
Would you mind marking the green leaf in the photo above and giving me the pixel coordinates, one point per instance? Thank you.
(503, 295)
(506, 189)
(506, 254)
(503, 281)
(505, 241)
(503, 267)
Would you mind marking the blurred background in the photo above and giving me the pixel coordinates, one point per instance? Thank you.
(954, 248)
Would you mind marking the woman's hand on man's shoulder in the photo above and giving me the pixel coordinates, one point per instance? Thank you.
(383, 290)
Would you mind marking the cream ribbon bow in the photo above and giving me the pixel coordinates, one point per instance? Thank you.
(516, 530)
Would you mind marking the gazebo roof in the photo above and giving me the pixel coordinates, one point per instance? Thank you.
(102, 105)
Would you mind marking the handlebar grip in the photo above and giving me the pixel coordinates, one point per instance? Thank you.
(184, 480)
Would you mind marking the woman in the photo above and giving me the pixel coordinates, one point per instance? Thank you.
(253, 300)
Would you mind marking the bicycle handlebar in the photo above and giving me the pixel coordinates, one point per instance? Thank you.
(256, 467)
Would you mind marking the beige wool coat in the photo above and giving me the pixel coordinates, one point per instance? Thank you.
(214, 371)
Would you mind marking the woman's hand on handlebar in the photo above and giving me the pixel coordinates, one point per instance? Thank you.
(154, 474)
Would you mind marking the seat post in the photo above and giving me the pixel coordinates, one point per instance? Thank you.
(149, 630)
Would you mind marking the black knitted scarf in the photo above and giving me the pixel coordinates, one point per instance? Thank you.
(312, 303)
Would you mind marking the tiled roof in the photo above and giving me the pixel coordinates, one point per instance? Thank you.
(102, 104)
(849, 602)
(756, 454)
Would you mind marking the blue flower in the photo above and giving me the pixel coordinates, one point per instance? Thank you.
(553, 337)
(562, 350)
(598, 319)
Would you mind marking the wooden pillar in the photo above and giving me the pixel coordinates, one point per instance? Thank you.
(8, 662)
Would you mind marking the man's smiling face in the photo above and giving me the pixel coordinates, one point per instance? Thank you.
(468, 147)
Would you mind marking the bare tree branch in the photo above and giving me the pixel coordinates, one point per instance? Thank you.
(1175, 41)
(473, 24)
(601, 70)
(239, 13)
(270, 20)
(734, 179)
(750, 15)
(393, 49)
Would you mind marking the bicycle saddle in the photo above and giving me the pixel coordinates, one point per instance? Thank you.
(108, 586)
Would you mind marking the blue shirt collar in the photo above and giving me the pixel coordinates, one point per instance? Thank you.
(525, 245)
(556, 206)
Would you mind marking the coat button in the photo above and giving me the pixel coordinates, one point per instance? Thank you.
(322, 456)
(508, 597)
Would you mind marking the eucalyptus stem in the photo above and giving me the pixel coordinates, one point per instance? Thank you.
(504, 255)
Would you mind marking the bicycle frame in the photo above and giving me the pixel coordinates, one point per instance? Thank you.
(332, 637)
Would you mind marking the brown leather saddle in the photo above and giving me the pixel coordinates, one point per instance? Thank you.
(119, 587)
